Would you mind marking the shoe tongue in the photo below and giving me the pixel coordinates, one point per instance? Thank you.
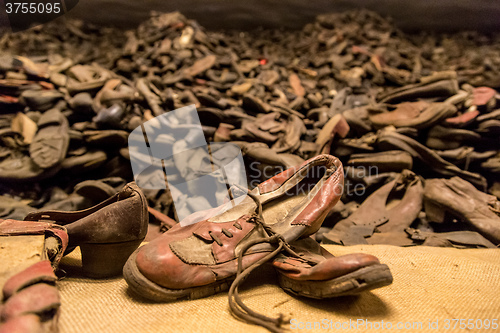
(232, 211)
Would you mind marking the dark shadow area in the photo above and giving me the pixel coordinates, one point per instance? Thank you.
(411, 16)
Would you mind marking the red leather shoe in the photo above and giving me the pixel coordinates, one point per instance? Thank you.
(202, 259)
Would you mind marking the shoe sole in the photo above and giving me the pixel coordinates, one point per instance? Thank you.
(366, 278)
(139, 284)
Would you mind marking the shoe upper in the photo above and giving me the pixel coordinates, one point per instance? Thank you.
(121, 218)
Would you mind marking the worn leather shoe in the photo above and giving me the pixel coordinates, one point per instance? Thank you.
(457, 198)
(201, 259)
(414, 114)
(390, 209)
(106, 233)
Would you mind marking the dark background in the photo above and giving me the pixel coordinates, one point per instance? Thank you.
(409, 15)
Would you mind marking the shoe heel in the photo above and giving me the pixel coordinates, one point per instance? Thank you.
(433, 212)
(106, 260)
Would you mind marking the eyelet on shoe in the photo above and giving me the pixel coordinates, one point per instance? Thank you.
(227, 233)
(215, 238)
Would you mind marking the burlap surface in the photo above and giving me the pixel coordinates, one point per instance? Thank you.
(430, 284)
(18, 253)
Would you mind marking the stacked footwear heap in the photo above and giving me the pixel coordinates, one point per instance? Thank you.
(348, 84)
(414, 119)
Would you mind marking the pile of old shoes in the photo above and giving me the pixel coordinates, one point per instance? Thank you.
(383, 216)
(435, 130)
(47, 130)
(327, 89)
(414, 120)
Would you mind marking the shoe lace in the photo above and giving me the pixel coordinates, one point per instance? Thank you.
(236, 305)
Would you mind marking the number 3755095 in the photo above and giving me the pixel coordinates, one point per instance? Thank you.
(32, 8)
